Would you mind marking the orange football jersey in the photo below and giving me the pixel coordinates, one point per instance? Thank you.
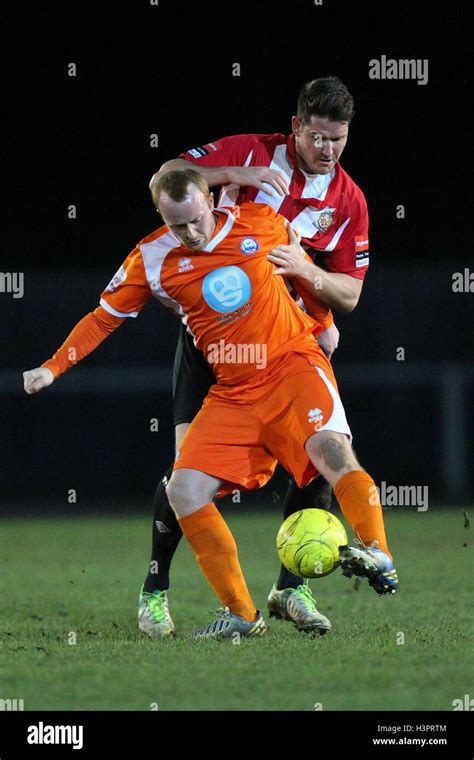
(226, 294)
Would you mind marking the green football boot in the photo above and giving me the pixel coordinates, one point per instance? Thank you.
(299, 606)
(154, 617)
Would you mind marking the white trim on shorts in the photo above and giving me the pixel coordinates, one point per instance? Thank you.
(337, 422)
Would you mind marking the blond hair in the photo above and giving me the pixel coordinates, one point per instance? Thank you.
(176, 185)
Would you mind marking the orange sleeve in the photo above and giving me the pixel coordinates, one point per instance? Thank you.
(84, 338)
(318, 311)
(128, 291)
(125, 296)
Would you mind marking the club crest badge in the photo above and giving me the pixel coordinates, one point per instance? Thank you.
(249, 246)
(324, 219)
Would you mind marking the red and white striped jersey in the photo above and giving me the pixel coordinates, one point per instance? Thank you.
(328, 210)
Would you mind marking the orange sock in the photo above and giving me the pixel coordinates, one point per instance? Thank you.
(360, 504)
(216, 553)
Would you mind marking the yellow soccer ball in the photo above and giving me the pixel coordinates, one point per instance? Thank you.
(308, 542)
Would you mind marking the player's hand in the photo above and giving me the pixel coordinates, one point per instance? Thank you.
(261, 177)
(35, 380)
(290, 259)
(329, 340)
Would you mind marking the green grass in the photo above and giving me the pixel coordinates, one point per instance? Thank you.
(83, 576)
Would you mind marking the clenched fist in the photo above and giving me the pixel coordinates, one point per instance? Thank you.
(35, 380)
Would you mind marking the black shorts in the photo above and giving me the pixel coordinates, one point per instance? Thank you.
(192, 378)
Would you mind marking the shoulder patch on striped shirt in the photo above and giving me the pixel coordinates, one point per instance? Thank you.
(198, 152)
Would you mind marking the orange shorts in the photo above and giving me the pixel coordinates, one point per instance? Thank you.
(242, 432)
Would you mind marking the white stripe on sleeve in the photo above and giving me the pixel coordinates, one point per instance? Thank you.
(116, 313)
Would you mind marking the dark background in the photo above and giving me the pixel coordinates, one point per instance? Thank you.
(85, 140)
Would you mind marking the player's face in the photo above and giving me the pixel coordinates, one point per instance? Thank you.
(192, 220)
(319, 143)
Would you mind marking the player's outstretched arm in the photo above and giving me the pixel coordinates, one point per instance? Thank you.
(84, 338)
(35, 380)
(261, 177)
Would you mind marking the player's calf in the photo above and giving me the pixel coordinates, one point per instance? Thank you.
(357, 495)
(166, 535)
(190, 493)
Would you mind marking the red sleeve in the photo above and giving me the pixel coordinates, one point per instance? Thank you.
(228, 151)
(351, 254)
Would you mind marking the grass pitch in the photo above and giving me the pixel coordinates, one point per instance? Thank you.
(77, 580)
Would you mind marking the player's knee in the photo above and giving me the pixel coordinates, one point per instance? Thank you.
(186, 492)
(178, 491)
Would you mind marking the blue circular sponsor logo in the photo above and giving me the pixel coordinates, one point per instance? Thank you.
(249, 245)
(226, 288)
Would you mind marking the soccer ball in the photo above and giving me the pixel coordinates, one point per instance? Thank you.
(308, 543)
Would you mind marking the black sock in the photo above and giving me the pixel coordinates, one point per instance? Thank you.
(166, 535)
(317, 495)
